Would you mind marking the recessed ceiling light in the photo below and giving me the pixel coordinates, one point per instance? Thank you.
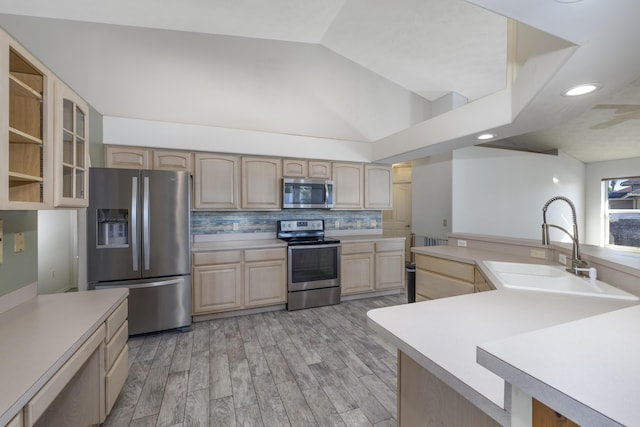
(582, 89)
(568, 1)
(486, 136)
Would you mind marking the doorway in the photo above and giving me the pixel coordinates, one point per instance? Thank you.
(397, 221)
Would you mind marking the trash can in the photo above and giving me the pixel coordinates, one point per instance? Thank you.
(410, 267)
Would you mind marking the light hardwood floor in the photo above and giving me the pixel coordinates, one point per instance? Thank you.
(316, 367)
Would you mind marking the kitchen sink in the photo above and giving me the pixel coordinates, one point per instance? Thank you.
(551, 278)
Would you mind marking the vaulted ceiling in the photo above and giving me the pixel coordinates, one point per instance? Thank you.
(376, 71)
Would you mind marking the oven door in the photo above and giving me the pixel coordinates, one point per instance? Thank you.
(313, 266)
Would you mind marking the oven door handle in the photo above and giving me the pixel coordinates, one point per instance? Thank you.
(329, 245)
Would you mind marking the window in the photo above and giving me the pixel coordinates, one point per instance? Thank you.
(622, 213)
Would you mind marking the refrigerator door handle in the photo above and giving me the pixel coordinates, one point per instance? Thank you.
(134, 222)
(177, 281)
(145, 224)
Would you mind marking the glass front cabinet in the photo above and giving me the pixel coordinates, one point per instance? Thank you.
(71, 173)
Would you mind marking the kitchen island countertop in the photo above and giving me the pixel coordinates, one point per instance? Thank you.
(443, 335)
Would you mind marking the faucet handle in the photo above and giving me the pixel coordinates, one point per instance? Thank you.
(593, 273)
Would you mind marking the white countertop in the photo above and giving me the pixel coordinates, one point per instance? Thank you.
(443, 335)
(38, 336)
(587, 370)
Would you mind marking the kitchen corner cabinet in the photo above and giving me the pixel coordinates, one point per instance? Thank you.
(261, 188)
(71, 156)
(238, 279)
(348, 185)
(26, 148)
(216, 182)
(441, 278)
(116, 156)
(378, 182)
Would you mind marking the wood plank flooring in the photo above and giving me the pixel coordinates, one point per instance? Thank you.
(316, 367)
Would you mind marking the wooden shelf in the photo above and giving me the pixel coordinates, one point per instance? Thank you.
(16, 177)
(17, 136)
(18, 88)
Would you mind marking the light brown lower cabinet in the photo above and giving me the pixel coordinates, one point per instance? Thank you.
(424, 400)
(441, 278)
(237, 279)
(371, 266)
(543, 416)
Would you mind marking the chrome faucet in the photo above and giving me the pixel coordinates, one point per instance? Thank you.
(576, 262)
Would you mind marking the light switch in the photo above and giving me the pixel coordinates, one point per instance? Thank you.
(18, 242)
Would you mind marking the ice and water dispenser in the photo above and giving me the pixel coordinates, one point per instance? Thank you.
(113, 228)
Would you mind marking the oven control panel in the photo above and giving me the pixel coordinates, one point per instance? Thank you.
(295, 225)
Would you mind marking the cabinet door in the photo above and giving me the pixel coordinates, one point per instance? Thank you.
(261, 183)
(216, 182)
(356, 273)
(348, 182)
(217, 288)
(265, 283)
(294, 168)
(171, 160)
(26, 151)
(378, 187)
(319, 169)
(390, 270)
(127, 157)
(71, 177)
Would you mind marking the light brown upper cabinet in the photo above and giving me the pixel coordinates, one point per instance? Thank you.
(116, 156)
(295, 168)
(261, 183)
(348, 185)
(378, 187)
(216, 182)
(172, 160)
(71, 175)
(26, 143)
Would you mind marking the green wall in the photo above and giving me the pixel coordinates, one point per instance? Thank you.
(19, 269)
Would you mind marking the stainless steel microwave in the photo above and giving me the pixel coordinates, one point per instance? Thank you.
(307, 193)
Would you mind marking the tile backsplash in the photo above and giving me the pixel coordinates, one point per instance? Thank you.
(265, 222)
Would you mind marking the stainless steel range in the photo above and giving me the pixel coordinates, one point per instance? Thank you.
(314, 264)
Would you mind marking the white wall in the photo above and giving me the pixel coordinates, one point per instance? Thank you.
(595, 195)
(431, 195)
(502, 192)
(57, 250)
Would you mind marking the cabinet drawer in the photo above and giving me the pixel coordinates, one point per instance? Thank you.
(434, 286)
(217, 257)
(356, 248)
(265, 254)
(50, 391)
(388, 246)
(115, 378)
(455, 269)
(114, 347)
(116, 320)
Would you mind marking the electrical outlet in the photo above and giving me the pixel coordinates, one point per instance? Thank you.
(373, 223)
(444, 222)
(18, 242)
(235, 226)
(358, 223)
(562, 259)
(462, 243)
(337, 225)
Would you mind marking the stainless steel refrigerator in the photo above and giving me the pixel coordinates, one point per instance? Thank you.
(139, 237)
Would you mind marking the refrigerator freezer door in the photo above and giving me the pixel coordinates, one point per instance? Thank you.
(112, 225)
(165, 223)
(156, 305)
